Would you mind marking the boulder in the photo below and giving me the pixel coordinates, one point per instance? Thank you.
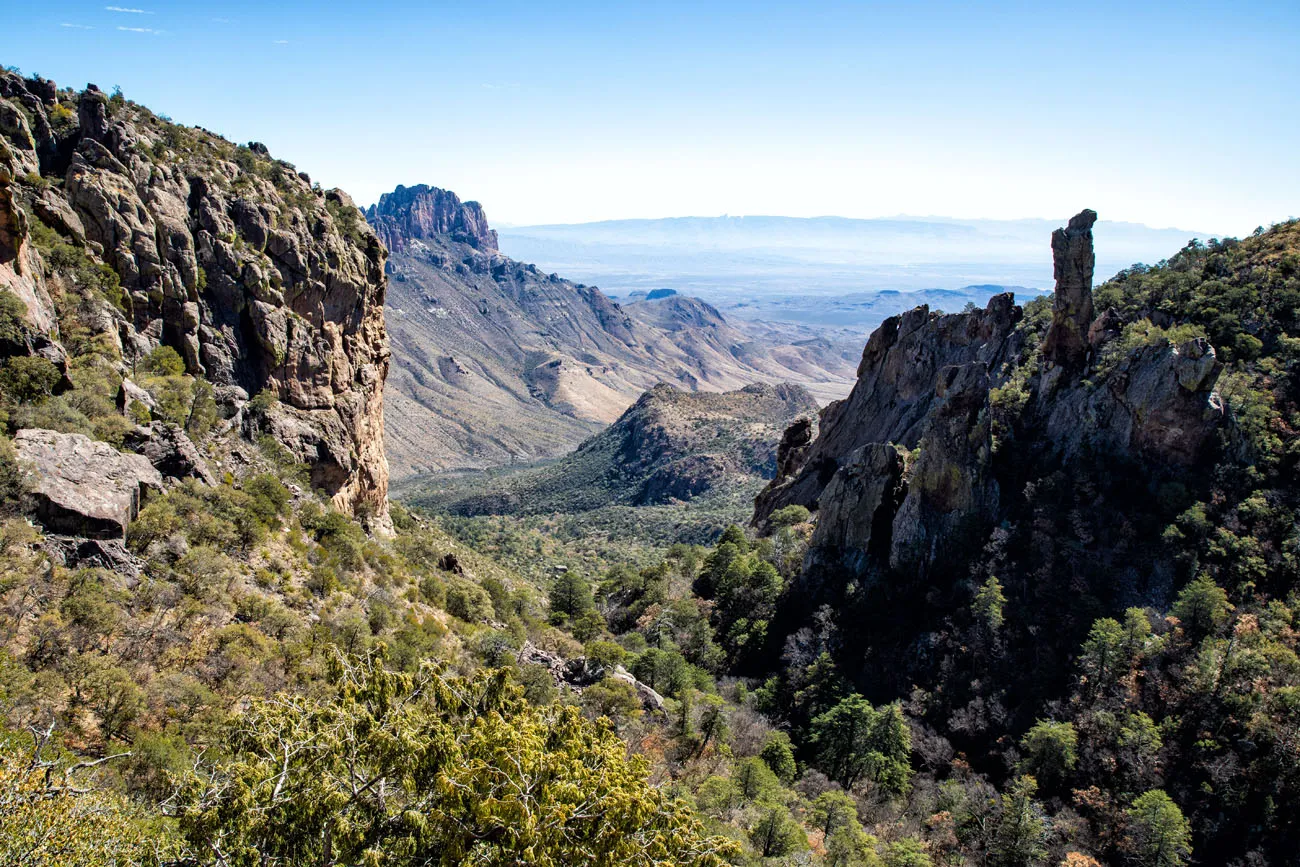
(128, 393)
(82, 487)
(170, 451)
(73, 552)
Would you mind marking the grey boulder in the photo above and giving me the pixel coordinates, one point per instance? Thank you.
(82, 487)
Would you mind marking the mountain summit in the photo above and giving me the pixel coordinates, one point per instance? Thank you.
(421, 213)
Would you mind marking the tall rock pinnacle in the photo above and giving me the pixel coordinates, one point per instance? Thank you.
(1073, 261)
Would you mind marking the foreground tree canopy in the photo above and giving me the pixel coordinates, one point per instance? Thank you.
(392, 769)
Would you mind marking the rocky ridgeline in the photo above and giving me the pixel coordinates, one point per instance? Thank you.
(262, 282)
(902, 469)
(423, 212)
(669, 446)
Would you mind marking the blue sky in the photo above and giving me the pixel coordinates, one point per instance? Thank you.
(1172, 114)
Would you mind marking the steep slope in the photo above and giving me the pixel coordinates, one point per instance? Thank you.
(1082, 511)
(497, 362)
(669, 445)
(171, 236)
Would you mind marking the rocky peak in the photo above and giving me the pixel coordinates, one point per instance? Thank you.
(1072, 260)
(904, 467)
(413, 213)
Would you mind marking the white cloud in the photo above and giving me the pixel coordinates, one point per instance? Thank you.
(224, 20)
(128, 9)
(280, 42)
(141, 30)
(76, 26)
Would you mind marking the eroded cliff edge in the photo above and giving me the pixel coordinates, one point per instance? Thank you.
(265, 284)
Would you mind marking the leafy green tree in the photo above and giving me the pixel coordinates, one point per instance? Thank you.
(27, 378)
(1020, 836)
(611, 698)
(778, 752)
(1103, 654)
(404, 769)
(13, 320)
(164, 361)
(713, 723)
(789, 516)
(1202, 606)
(1158, 834)
(734, 535)
(754, 779)
(850, 846)
(1140, 744)
(776, 833)
(833, 810)
(1051, 751)
(853, 740)
(989, 601)
(570, 595)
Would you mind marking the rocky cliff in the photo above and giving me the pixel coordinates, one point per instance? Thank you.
(962, 426)
(415, 213)
(264, 283)
(497, 362)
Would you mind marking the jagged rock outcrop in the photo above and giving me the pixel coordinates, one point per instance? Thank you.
(951, 484)
(927, 383)
(81, 487)
(261, 282)
(895, 395)
(170, 451)
(421, 212)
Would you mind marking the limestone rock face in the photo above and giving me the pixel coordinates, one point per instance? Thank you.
(414, 213)
(82, 487)
(260, 281)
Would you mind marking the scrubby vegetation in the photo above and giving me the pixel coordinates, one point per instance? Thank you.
(1112, 676)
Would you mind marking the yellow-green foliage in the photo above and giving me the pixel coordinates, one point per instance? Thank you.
(405, 769)
(48, 819)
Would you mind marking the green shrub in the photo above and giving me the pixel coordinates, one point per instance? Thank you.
(28, 378)
(468, 601)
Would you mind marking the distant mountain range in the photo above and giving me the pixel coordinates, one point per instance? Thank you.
(730, 260)
(495, 361)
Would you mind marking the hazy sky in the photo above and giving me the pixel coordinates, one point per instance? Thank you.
(1172, 113)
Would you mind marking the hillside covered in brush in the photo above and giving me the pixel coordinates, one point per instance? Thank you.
(211, 625)
(1065, 536)
(669, 445)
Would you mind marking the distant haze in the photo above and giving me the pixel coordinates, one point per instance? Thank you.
(776, 264)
